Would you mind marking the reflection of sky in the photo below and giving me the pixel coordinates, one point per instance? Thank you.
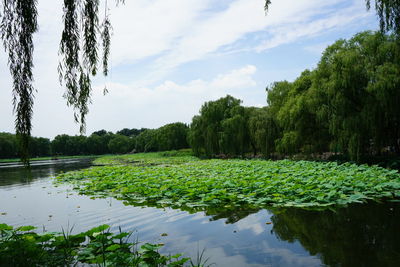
(249, 242)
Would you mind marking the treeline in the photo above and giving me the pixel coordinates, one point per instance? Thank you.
(349, 105)
(168, 137)
(9, 146)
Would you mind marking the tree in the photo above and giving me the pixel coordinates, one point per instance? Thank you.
(172, 136)
(146, 141)
(8, 146)
(40, 147)
(263, 131)
(129, 132)
(360, 78)
(207, 131)
(298, 118)
(120, 144)
(233, 138)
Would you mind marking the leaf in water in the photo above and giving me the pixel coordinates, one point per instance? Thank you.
(25, 228)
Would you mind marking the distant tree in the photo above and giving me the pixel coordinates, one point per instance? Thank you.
(8, 146)
(263, 131)
(69, 145)
(233, 138)
(146, 141)
(101, 132)
(172, 136)
(130, 132)
(59, 145)
(94, 144)
(40, 147)
(206, 131)
(97, 142)
(119, 144)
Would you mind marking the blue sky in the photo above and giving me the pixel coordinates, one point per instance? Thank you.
(170, 56)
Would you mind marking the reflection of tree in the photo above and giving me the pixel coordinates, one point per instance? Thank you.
(360, 235)
(20, 175)
(232, 214)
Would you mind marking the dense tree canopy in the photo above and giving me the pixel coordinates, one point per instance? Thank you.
(171, 136)
(347, 105)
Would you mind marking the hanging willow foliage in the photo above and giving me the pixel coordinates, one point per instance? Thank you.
(78, 50)
(388, 12)
(18, 23)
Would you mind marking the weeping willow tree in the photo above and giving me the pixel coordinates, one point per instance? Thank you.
(83, 38)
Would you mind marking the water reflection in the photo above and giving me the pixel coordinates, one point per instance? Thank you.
(231, 214)
(360, 235)
(16, 174)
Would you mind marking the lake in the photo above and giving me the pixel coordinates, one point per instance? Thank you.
(358, 235)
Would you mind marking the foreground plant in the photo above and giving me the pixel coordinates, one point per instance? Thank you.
(183, 182)
(99, 247)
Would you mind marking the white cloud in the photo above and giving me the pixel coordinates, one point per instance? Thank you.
(286, 33)
(130, 106)
(189, 35)
(144, 28)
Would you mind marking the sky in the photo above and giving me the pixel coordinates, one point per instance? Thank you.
(168, 57)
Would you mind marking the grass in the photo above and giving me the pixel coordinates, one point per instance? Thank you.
(185, 182)
(98, 247)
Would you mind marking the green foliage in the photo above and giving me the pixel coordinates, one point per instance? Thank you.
(172, 136)
(187, 183)
(262, 131)
(348, 104)
(361, 107)
(388, 13)
(10, 147)
(23, 247)
(295, 108)
(120, 144)
(146, 141)
(130, 132)
(220, 128)
(18, 24)
(69, 145)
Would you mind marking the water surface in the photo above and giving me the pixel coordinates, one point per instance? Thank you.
(360, 235)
